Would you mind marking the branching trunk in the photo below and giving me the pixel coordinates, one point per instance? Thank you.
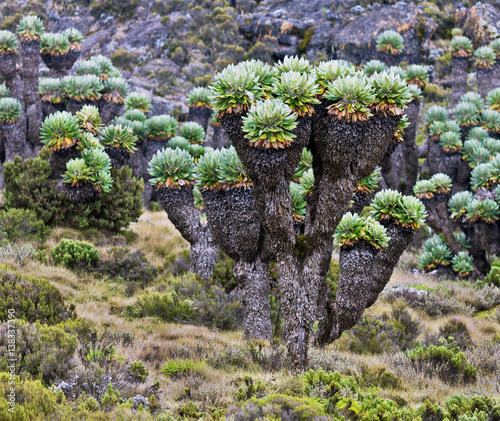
(485, 80)
(459, 78)
(30, 55)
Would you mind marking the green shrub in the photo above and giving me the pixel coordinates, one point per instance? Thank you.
(22, 224)
(176, 368)
(493, 276)
(31, 298)
(71, 254)
(29, 186)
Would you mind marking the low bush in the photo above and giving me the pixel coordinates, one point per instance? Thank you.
(71, 254)
(22, 224)
(17, 253)
(176, 368)
(32, 299)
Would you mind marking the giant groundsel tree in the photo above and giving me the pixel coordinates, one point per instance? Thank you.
(347, 121)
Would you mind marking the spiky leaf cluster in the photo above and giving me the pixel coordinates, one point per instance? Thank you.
(199, 97)
(10, 110)
(8, 42)
(478, 133)
(139, 129)
(442, 183)
(417, 75)
(206, 173)
(161, 127)
(94, 167)
(480, 176)
(115, 90)
(108, 69)
(307, 182)
(424, 189)
(484, 57)
(231, 170)
(294, 64)
(374, 66)
(474, 98)
(483, 210)
(490, 120)
(30, 28)
(136, 100)
(450, 142)
(397, 70)
(475, 153)
(390, 42)
(304, 164)
(391, 93)
(351, 97)
(437, 184)
(436, 253)
(461, 47)
(60, 130)
(83, 88)
(415, 92)
(436, 113)
(462, 264)
(54, 44)
(370, 183)
(120, 137)
(87, 67)
(353, 228)
(456, 32)
(492, 144)
(196, 150)
(406, 211)
(193, 132)
(75, 38)
(135, 115)
(298, 91)
(89, 119)
(269, 124)
(299, 203)
(172, 168)
(89, 141)
(437, 129)
(329, 71)
(266, 75)
(178, 142)
(235, 90)
(4, 91)
(51, 90)
(493, 99)
(466, 114)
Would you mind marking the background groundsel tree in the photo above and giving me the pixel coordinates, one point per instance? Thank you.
(348, 130)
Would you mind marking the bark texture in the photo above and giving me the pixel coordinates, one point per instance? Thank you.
(119, 157)
(200, 115)
(58, 160)
(15, 141)
(219, 138)
(485, 80)
(83, 193)
(459, 78)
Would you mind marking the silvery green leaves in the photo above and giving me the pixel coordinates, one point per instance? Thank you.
(83, 88)
(60, 130)
(269, 124)
(54, 44)
(436, 113)
(138, 101)
(172, 168)
(30, 28)
(486, 174)
(161, 127)
(51, 90)
(75, 38)
(199, 97)
(297, 90)
(295, 64)
(462, 264)
(89, 119)
(458, 203)
(417, 75)
(8, 42)
(391, 93)
(461, 47)
(299, 203)
(353, 228)
(493, 99)
(406, 211)
(436, 253)
(115, 90)
(10, 110)
(390, 42)
(438, 184)
(192, 132)
(120, 137)
(329, 71)
(93, 167)
(466, 114)
(484, 57)
(370, 183)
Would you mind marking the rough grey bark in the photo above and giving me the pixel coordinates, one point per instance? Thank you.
(389, 59)
(15, 143)
(119, 157)
(108, 111)
(360, 201)
(459, 78)
(30, 56)
(83, 193)
(58, 160)
(400, 170)
(484, 238)
(50, 108)
(58, 64)
(179, 205)
(496, 74)
(485, 80)
(439, 161)
(200, 115)
(219, 138)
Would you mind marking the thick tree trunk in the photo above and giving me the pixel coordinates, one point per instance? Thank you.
(119, 157)
(83, 193)
(459, 78)
(30, 56)
(485, 79)
(15, 141)
(200, 115)
(496, 74)
(219, 138)
(108, 111)
(483, 238)
(58, 160)
(179, 205)
(389, 59)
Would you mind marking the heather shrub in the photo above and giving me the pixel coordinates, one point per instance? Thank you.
(248, 388)
(70, 254)
(28, 185)
(32, 299)
(176, 368)
(19, 254)
(21, 224)
(493, 276)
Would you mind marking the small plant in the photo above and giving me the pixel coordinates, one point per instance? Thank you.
(437, 128)
(60, 130)
(461, 47)
(462, 264)
(436, 113)
(51, 90)
(10, 110)
(417, 75)
(493, 100)
(406, 211)
(88, 141)
(87, 67)
(266, 74)
(178, 368)
(450, 142)
(391, 93)
(199, 97)
(424, 189)
(442, 183)
(307, 182)
(269, 124)
(370, 183)
(478, 133)
(231, 170)
(474, 98)
(119, 137)
(329, 71)
(141, 373)
(172, 168)
(353, 228)
(138, 101)
(293, 64)
(298, 202)
(93, 168)
(474, 153)
(108, 70)
(385, 204)
(298, 91)
(304, 164)
(458, 204)
(30, 28)
(8, 42)
(466, 114)
(374, 66)
(89, 119)
(495, 46)
(485, 210)
(75, 38)
(351, 97)
(161, 127)
(456, 32)
(390, 42)
(71, 253)
(54, 44)
(480, 176)
(178, 142)
(484, 57)
(193, 132)
(134, 115)
(4, 92)
(235, 90)
(115, 90)
(206, 173)
(490, 120)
